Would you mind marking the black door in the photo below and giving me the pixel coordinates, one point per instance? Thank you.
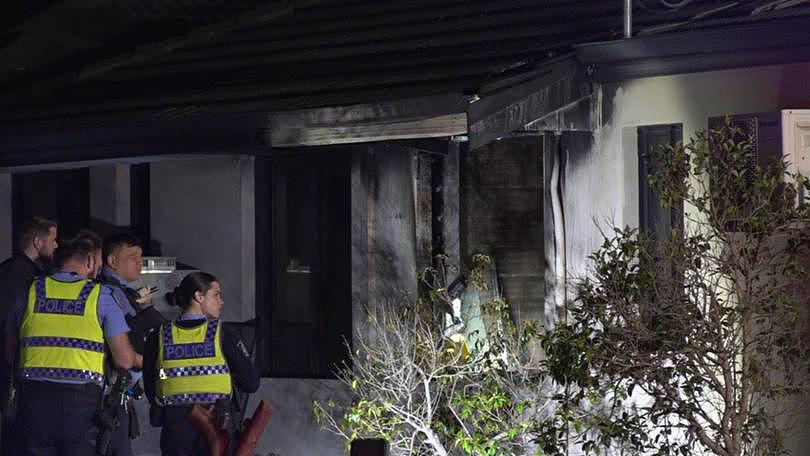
(303, 269)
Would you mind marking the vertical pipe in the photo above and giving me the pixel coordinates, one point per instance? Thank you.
(628, 18)
(560, 289)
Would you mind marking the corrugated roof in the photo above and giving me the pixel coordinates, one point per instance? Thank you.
(39, 37)
(351, 51)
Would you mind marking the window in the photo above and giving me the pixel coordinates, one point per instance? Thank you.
(659, 222)
(654, 218)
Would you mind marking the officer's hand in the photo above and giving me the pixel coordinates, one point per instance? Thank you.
(145, 294)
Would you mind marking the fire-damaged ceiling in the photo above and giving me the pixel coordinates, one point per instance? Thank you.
(41, 37)
(89, 63)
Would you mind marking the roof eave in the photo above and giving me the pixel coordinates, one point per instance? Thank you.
(691, 51)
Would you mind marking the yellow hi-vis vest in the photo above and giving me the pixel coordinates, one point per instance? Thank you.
(191, 366)
(61, 336)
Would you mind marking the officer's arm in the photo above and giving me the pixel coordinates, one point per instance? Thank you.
(115, 331)
(122, 352)
(10, 348)
(12, 328)
(243, 372)
(149, 368)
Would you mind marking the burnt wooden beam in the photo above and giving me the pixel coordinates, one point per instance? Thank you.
(436, 146)
(543, 98)
(423, 117)
(583, 114)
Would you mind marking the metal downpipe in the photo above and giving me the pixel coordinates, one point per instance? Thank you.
(561, 285)
(628, 19)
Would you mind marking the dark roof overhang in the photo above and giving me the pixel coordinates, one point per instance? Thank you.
(226, 134)
(690, 51)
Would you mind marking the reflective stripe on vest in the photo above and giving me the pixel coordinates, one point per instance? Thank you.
(191, 366)
(60, 336)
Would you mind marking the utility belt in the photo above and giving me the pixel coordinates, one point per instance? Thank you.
(117, 409)
(223, 414)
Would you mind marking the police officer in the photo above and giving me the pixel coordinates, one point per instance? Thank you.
(62, 329)
(36, 241)
(194, 360)
(123, 261)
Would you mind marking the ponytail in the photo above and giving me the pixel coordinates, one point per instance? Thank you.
(183, 294)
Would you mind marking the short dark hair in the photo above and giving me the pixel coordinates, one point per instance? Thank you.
(82, 246)
(31, 228)
(116, 241)
(90, 236)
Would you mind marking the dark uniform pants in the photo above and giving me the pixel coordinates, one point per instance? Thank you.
(178, 437)
(121, 442)
(57, 419)
(9, 438)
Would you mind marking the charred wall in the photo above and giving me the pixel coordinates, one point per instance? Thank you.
(501, 214)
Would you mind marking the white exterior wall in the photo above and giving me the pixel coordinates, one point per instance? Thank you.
(601, 184)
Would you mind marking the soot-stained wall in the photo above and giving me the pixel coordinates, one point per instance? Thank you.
(501, 195)
(383, 231)
(600, 178)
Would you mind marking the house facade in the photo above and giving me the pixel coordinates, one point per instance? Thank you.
(315, 158)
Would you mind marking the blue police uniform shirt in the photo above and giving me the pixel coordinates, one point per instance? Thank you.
(118, 294)
(191, 317)
(122, 302)
(111, 318)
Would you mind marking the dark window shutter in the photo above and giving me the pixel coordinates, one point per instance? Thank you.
(654, 218)
(659, 223)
